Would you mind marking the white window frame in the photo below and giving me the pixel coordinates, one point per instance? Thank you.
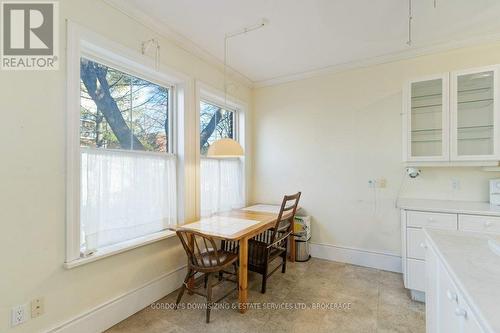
(82, 42)
(206, 93)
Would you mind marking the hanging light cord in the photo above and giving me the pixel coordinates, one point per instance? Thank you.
(225, 69)
(243, 31)
(410, 21)
(410, 18)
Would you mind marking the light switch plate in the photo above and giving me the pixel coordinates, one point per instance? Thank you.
(37, 307)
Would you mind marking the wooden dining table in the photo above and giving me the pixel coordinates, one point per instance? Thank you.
(241, 225)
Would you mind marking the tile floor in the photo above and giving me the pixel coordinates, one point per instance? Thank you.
(378, 303)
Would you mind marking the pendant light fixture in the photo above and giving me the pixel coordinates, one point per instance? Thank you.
(226, 147)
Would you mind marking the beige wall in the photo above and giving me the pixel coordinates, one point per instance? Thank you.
(325, 136)
(32, 195)
(328, 135)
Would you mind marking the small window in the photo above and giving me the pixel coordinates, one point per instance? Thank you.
(221, 179)
(216, 123)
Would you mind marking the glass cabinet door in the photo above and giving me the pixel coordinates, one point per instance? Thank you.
(474, 115)
(427, 127)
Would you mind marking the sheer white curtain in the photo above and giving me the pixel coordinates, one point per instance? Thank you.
(125, 195)
(221, 183)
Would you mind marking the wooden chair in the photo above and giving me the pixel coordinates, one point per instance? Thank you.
(273, 243)
(204, 257)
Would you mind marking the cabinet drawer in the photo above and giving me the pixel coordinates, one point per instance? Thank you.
(416, 274)
(416, 243)
(431, 220)
(478, 223)
(447, 302)
(469, 321)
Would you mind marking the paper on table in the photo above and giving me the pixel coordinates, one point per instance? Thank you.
(221, 225)
(264, 208)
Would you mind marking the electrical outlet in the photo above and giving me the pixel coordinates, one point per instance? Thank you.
(455, 184)
(377, 183)
(19, 314)
(37, 307)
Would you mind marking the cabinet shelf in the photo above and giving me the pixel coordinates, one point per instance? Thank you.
(474, 90)
(459, 128)
(474, 139)
(474, 127)
(477, 101)
(425, 96)
(427, 130)
(426, 106)
(460, 91)
(426, 141)
(425, 111)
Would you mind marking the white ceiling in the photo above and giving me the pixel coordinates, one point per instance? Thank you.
(311, 35)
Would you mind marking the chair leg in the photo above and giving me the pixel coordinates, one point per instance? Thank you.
(283, 266)
(237, 273)
(205, 278)
(183, 288)
(209, 296)
(264, 279)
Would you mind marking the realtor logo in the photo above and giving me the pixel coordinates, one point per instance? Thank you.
(30, 35)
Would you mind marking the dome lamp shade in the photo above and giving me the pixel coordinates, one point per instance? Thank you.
(225, 148)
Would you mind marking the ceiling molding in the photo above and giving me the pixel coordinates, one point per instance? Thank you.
(189, 46)
(383, 59)
(179, 40)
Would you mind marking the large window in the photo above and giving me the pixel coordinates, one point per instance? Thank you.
(121, 111)
(127, 169)
(221, 180)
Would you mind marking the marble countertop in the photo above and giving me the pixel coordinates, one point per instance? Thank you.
(450, 206)
(474, 268)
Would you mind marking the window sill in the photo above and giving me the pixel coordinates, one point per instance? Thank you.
(120, 248)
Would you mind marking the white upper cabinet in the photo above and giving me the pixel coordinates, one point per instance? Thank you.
(452, 118)
(474, 114)
(427, 119)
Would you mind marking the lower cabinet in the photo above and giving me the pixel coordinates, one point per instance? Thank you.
(414, 244)
(416, 274)
(414, 247)
(446, 310)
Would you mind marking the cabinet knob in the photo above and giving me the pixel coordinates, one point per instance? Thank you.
(430, 219)
(423, 245)
(452, 296)
(487, 224)
(459, 312)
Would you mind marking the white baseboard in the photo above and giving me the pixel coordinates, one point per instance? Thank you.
(110, 313)
(360, 257)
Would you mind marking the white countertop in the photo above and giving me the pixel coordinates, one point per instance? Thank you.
(474, 268)
(449, 206)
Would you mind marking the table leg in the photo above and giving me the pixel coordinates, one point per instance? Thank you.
(292, 248)
(243, 275)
